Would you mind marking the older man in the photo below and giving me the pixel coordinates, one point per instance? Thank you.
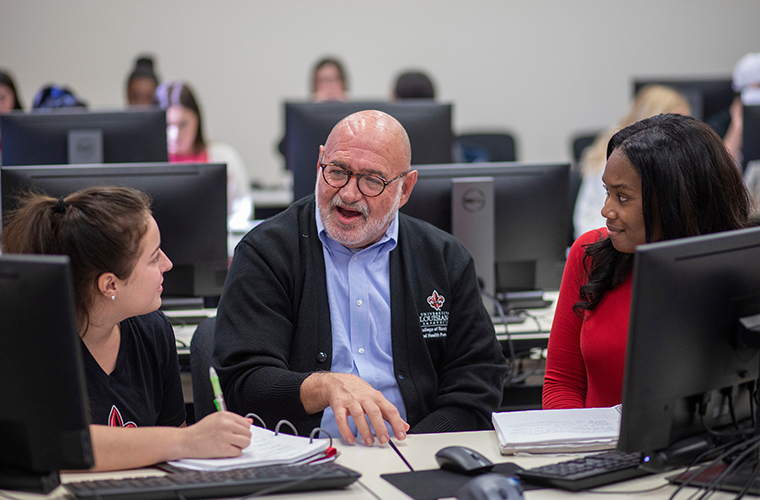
(344, 314)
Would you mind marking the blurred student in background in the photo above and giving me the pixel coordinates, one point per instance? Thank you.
(54, 96)
(746, 82)
(413, 85)
(328, 81)
(142, 83)
(129, 353)
(667, 177)
(651, 100)
(9, 100)
(186, 143)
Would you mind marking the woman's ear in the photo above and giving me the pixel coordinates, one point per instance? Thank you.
(108, 285)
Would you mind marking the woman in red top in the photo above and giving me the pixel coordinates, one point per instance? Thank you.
(666, 177)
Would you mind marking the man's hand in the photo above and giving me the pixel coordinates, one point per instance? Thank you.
(348, 395)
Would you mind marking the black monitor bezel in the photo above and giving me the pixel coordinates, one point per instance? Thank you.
(193, 224)
(531, 220)
(41, 137)
(307, 125)
(45, 418)
(687, 297)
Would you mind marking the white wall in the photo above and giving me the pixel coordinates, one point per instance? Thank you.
(541, 68)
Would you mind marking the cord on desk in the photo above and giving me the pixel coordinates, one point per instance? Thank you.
(369, 490)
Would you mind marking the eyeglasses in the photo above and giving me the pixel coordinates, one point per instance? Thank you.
(368, 184)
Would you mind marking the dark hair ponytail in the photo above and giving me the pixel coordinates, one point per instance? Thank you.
(99, 228)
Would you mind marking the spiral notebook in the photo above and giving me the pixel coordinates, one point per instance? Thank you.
(267, 448)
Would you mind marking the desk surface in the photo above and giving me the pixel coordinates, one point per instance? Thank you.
(419, 450)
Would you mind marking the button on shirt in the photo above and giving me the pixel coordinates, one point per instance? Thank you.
(358, 290)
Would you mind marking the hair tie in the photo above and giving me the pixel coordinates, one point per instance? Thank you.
(60, 207)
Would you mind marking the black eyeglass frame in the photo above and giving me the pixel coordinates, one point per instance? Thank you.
(358, 177)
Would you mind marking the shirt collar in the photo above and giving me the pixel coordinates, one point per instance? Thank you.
(387, 243)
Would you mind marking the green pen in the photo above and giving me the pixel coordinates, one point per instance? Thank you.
(218, 396)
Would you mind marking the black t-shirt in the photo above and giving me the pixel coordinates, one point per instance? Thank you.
(144, 388)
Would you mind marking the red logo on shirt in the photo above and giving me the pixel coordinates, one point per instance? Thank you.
(436, 301)
(115, 420)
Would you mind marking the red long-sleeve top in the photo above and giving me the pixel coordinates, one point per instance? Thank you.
(586, 355)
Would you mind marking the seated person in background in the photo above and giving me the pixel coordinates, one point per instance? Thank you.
(328, 84)
(343, 313)
(142, 83)
(413, 85)
(651, 100)
(54, 96)
(328, 81)
(9, 100)
(746, 81)
(667, 177)
(184, 131)
(128, 347)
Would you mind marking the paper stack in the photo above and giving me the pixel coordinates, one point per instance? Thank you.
(266, 448)
(557, 431)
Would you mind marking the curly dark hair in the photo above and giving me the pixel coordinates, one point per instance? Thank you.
(690, 185)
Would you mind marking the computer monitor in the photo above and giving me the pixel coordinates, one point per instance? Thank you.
(511, 216)
(707, 97)
(44, 417)
(686, 370)
(189, 203)
(80, 136)
(308, 124)
(751, 134)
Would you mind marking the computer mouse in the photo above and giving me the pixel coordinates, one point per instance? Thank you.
(462, 460)
(491, 487)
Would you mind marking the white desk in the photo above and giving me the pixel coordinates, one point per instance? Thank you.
(419, 450)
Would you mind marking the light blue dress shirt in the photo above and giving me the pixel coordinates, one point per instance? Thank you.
(358, 290)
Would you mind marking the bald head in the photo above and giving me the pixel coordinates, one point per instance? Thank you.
(375, 131)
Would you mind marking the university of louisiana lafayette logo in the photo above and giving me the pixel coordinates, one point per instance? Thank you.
(436, 301)
(115, 420)
(435, 324)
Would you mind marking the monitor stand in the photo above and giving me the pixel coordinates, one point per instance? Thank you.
(472, 223)
(12, 478)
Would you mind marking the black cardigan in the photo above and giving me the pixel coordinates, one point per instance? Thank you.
(273, 326)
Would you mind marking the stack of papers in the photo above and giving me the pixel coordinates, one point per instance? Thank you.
(557, 431)
(266, 448)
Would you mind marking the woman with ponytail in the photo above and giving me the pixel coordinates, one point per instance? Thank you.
(130, 357)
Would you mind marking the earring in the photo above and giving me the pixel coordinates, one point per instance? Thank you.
(113, 297)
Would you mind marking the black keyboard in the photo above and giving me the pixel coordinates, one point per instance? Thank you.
(216, 484)
(587, 472)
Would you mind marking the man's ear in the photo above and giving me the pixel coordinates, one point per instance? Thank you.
(406, 188)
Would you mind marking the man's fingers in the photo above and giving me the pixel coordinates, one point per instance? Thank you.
(357, 413)
(341, 418)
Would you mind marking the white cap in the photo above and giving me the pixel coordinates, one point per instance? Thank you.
(747, 71)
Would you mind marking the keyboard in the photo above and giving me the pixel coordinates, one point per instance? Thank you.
(217, 484)
(586, 472)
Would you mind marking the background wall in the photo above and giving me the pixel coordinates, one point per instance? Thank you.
(544, 69)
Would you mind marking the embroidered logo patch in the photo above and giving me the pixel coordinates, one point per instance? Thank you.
(436, 301)
(435, 324)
